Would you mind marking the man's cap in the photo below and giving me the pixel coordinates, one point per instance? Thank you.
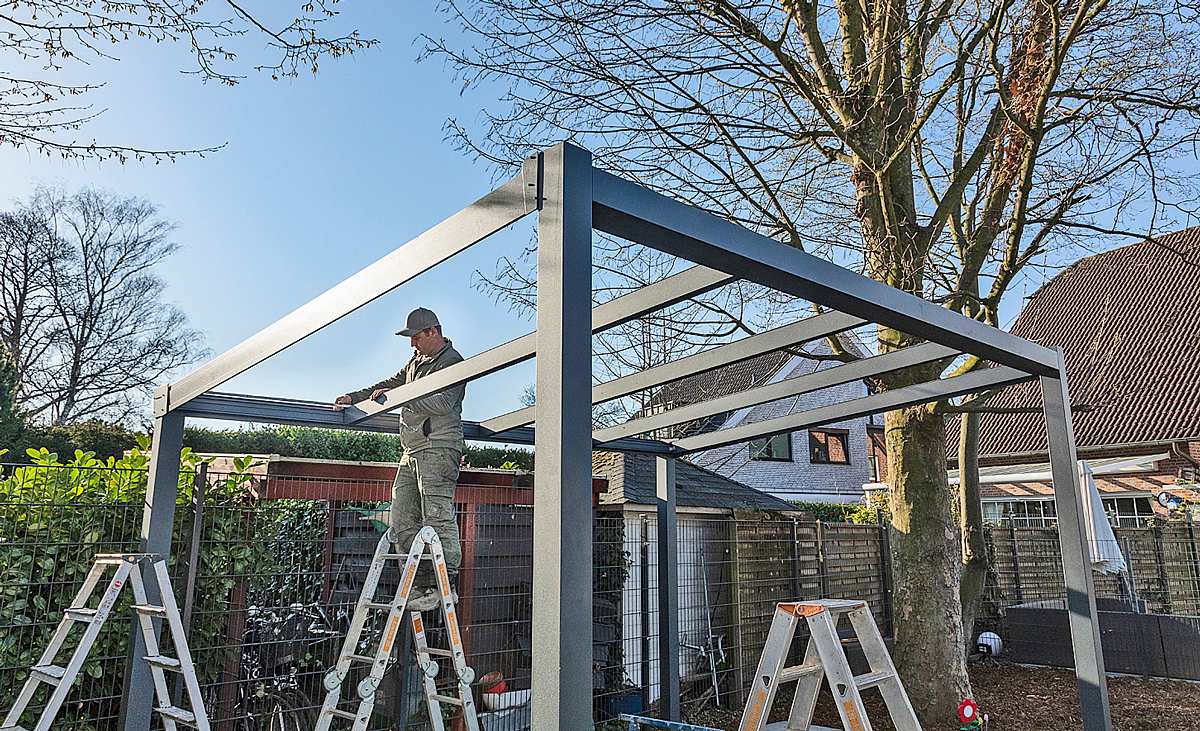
(418, 320)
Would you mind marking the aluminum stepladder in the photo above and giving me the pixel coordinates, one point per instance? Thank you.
(63, 677)
(825, 658)
(425, 547)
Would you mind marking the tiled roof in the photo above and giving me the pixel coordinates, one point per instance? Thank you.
(1128, 321)
(632, 479)
(735, 378)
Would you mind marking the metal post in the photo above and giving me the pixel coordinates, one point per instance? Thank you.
(199, 484)
(644, 599)
(668, 591)
(821, 574)
(1016, 558)
(885, 567)
(162, 487)
(1077, 570)
(562, 515)
(796, 580)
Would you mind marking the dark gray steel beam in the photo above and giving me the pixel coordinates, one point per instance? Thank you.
(673, 289)
(815, 381)
(268, 410)
(1069, 497)
(562, 505)
(920, 393)
(508, 203)
(158, 515)
(735, 352)
(668, 590)
(635, 213)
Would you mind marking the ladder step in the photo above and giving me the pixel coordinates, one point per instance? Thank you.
(150, 609)
(870, 680)
(379, 605)
(115, 559)
(164, 662)
(447, 699)
(394, 557)
(362, 658)
(439, 652)
(176, 714)
(796, 672)
(342, 714)
(13, 728)
(52, 674)
(80, 614)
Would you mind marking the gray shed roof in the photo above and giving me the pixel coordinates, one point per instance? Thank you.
(631, 479)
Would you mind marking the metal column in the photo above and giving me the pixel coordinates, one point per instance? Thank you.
(668, 591)
(158, 516)
(1077, 569)
(562, 515)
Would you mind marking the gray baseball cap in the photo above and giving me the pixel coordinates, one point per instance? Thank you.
(418, 320)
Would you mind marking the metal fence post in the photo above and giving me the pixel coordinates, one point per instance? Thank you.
(885, 566)
(1077, 569)
(1192, 553)
(1016, 558)
(668, 590)
(199, 485)
(1160, 561)
(644, 592)
(158, 516)
(796, 560)
(562, 515)
(821, 559)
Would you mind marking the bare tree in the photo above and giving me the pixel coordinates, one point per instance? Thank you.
(44, 39)
(81, 310)
(945, 147)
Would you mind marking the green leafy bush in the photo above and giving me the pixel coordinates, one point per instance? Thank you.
(55, 515)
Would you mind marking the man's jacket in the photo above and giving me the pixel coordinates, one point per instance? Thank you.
(434, 420)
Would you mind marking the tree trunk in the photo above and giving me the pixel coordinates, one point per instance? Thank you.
(927, 560)
(970, 511)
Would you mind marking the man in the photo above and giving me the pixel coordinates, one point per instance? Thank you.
(432, 436)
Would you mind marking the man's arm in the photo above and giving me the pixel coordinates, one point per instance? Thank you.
(363, 394)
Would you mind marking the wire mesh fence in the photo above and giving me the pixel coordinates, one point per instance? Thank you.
(267, 569)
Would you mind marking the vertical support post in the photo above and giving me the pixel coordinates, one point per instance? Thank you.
(199, 485)
(885, 569)
(1077, 569)
(796, 580)
(644, 602)
(1016, 558)
(158, 515)
(822, 575)
(562, 515)
(668, 590)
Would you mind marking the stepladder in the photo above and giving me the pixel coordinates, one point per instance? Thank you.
(825, 660)
(379, 638)
(81, 613)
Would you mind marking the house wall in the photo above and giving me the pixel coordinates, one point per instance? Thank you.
(799, 479)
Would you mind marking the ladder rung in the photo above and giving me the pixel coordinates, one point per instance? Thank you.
(796, 672)
(870, 680)
(80, 614)
(379, 605)
(394, 557)
(13, 728)
(439, 652)
(362, 658)
(150, 609)
(447, 699)
(162, 661)
(110, 560)
(342, 714)
(176, 714)
(52, 674)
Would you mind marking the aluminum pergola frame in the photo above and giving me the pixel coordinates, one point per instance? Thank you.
(572, 198)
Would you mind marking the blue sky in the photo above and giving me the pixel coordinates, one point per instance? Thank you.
(321, 176)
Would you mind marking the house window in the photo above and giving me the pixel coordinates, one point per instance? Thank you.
(777, 448)
(1020, 513)
(1128, 512)
(829, 447)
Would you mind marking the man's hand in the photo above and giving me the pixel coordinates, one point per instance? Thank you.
(377, 393)
(341, 402)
